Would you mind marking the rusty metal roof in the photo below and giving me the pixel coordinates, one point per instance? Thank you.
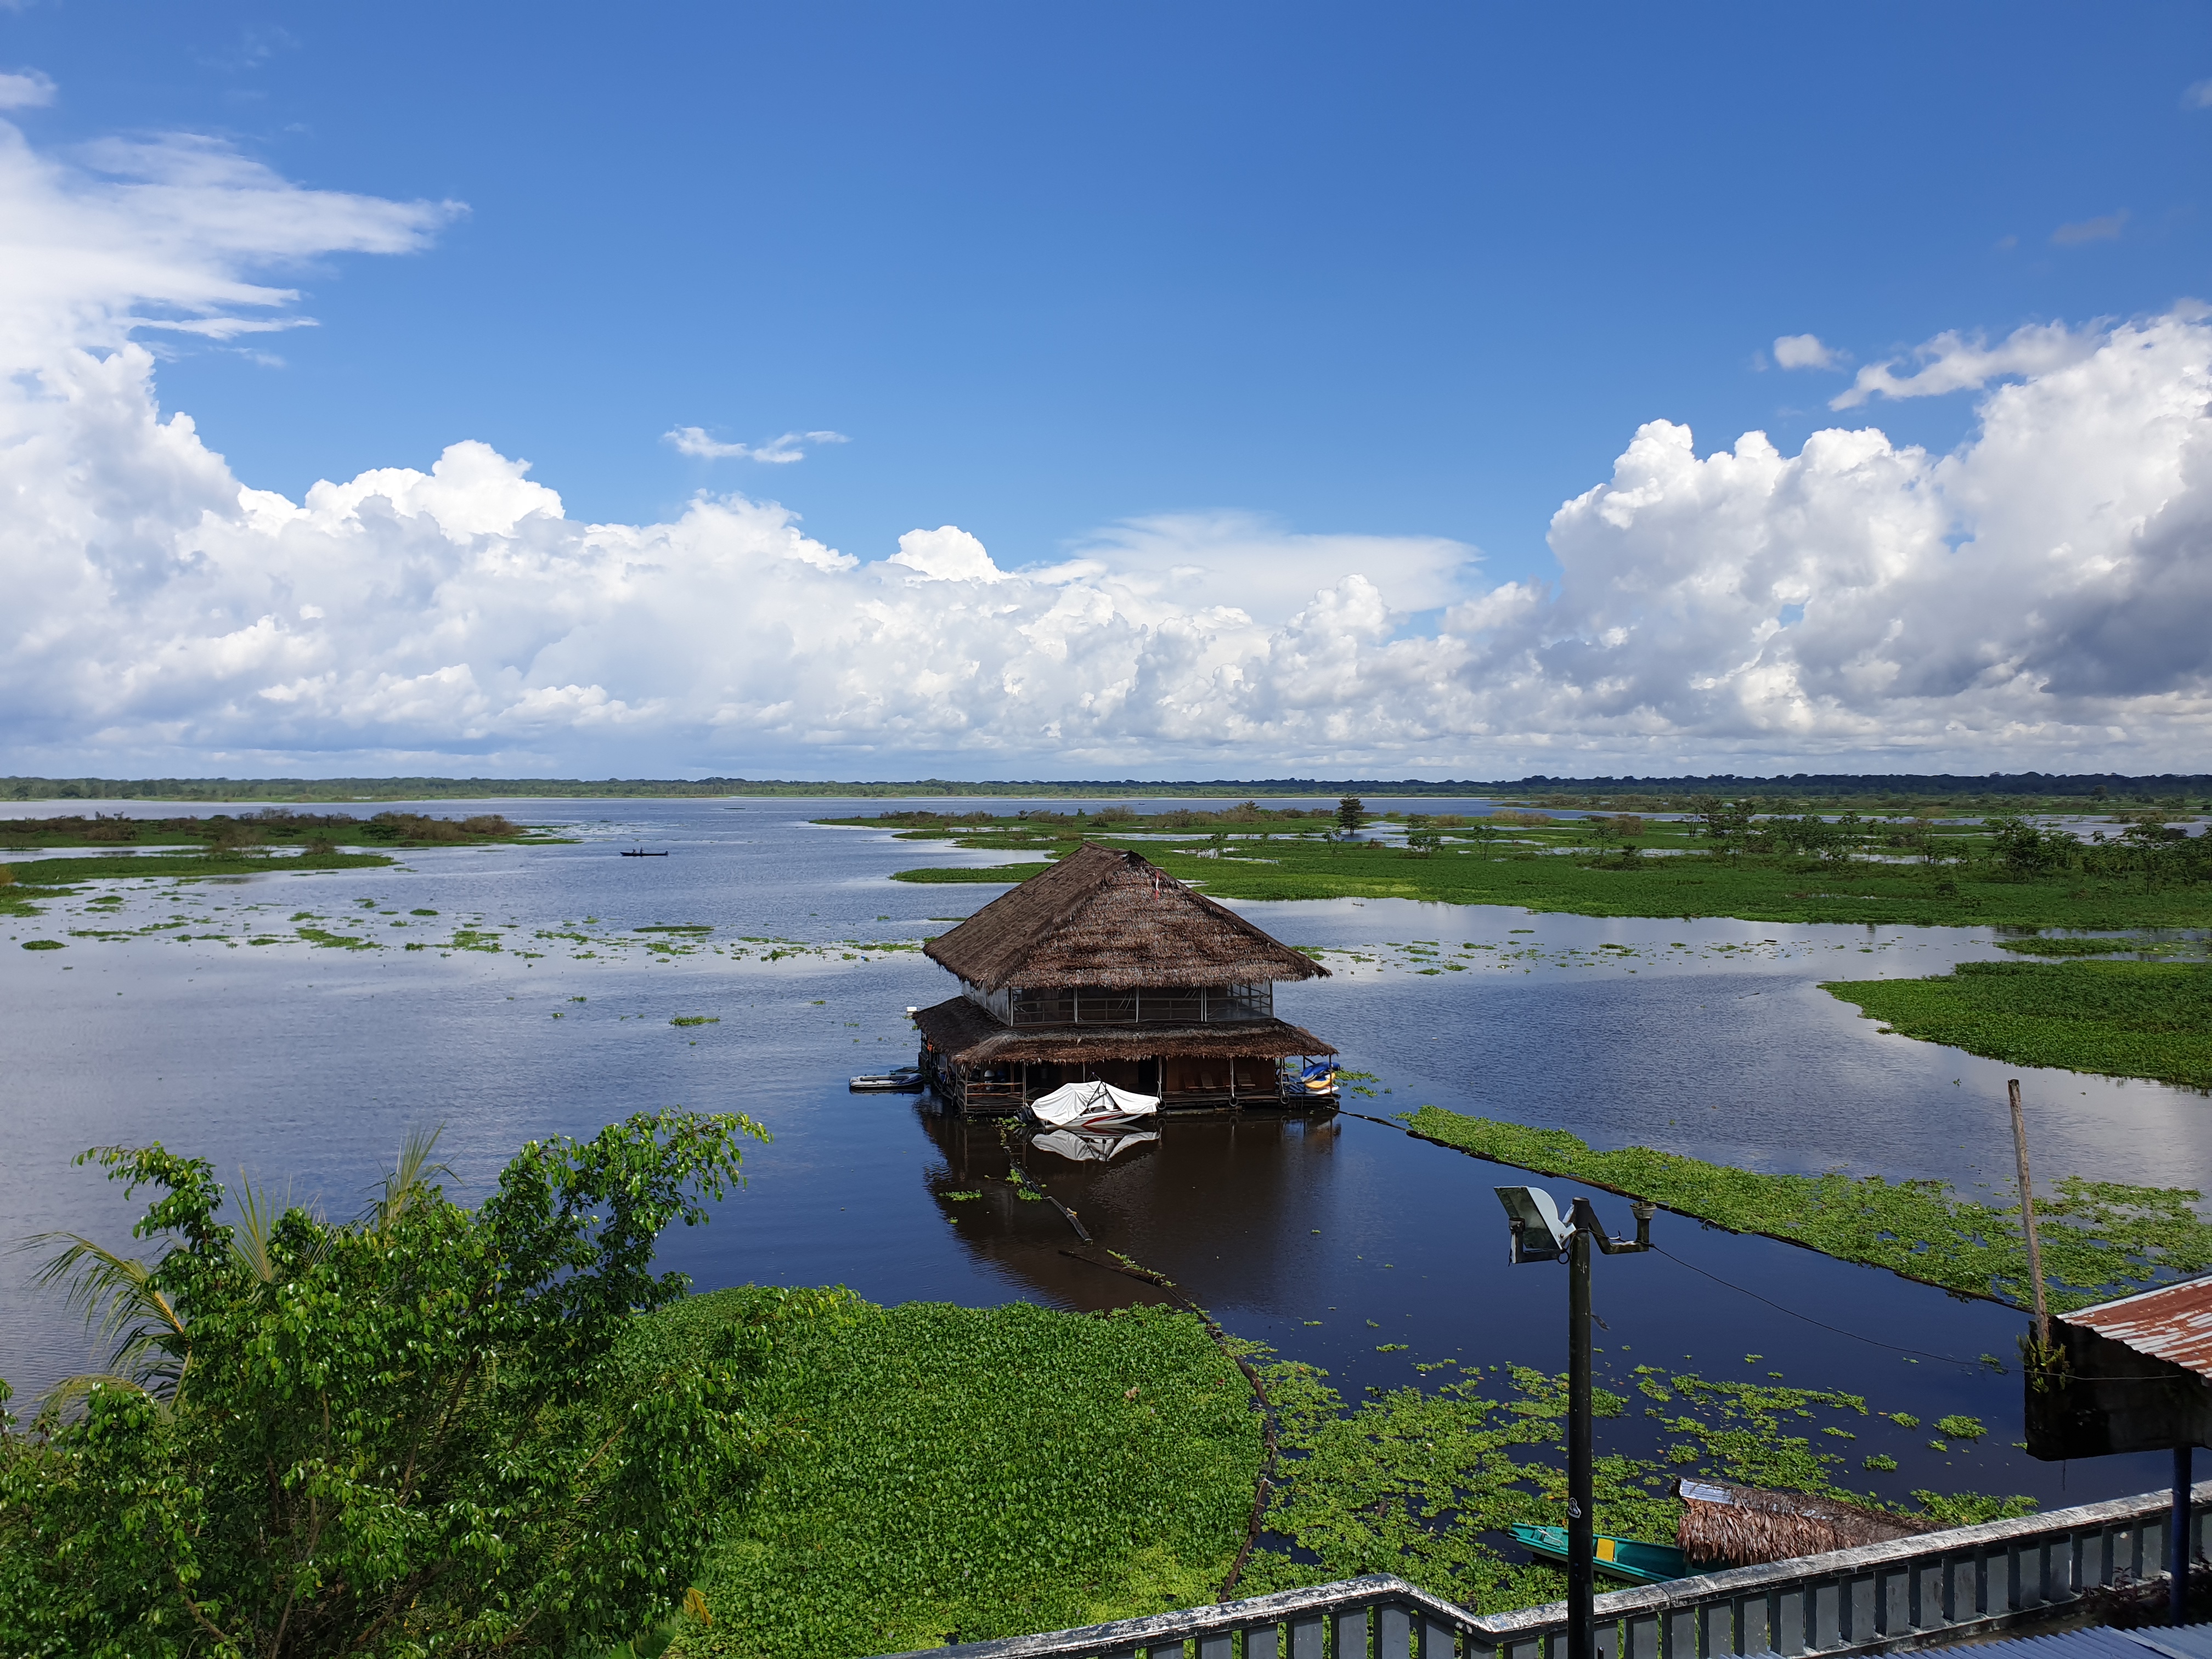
(2173, 1322)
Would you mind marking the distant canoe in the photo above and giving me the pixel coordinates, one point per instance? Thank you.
(640, 852)
(1630, 1558)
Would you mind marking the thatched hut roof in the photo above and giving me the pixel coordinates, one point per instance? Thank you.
(1102, 916)
(962, 1031)
(1747, 1526)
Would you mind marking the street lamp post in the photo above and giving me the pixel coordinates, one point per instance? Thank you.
(1540, 1235)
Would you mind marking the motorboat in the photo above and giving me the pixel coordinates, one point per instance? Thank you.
(1092, 1106)
(901, 1080)
(1092, 1146)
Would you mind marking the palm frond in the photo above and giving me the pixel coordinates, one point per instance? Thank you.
(120, 1301)
(412, 1180)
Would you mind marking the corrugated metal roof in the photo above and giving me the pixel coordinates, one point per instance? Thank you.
(2173, 1322)
(2098, 1642)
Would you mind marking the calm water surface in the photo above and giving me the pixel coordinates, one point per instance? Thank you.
(1328, 1239)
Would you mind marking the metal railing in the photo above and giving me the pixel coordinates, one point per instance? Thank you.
(1928, 1590)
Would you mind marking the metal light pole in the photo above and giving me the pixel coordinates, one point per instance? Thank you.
(1538, 1235)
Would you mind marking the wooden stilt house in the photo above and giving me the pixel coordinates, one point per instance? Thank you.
(1107, 968)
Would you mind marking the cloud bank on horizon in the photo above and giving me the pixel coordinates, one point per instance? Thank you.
(2037, 598)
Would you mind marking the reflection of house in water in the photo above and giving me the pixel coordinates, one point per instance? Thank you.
(1105, 967)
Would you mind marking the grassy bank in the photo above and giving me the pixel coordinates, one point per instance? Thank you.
(1541, 864)
(931, 1472)
(2146, 1019)
(2105, 1239)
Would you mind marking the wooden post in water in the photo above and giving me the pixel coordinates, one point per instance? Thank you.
(2028, 1215)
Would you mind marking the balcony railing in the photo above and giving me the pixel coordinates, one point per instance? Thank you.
(1930, 1590)
(1166, 1004)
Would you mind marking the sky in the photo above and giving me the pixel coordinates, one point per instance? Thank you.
(989, 390)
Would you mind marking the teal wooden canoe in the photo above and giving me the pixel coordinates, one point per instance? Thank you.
(1628, 1558)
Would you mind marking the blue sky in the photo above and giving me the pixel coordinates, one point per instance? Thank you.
(1254, 324)
(1413, 270)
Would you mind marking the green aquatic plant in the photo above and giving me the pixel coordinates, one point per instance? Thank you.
(2106, 1238)
(1424, 1483)
(2146, 1019)
(929, 1471)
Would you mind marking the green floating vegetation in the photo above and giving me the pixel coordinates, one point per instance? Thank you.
(931, 1472)
(2146, 1019)
(1423, 1484)
(697, 1019)
(132, 866)
(2106, 1239)
(1993, 874)
(988, 872)
(2069, 947)
(44, 944)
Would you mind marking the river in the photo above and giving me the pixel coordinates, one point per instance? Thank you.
(1333, 1240)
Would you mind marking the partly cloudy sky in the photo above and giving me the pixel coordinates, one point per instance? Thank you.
(276, 497)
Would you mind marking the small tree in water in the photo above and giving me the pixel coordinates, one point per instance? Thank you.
(428, 1430)
(1350, 814)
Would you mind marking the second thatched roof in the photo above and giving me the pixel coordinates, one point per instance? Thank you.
(1104, 916)
(1748, 1526)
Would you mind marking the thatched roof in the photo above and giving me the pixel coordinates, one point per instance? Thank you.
(1747, 1526)
(964, 1032)
(1102, 916)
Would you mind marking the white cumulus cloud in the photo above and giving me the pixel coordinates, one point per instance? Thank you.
(26, 89)
(1804, 351)
(2038, 598)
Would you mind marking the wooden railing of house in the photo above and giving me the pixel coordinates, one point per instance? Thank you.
(1930, 1590)
(1165, 1005)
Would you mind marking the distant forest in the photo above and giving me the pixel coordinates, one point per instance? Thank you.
(1995, 788)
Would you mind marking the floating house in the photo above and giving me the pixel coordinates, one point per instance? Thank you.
(1107, 968)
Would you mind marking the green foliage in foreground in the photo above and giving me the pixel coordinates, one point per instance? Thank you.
(2108, 1239)
(1423, 1484)
(2150, 1019)
(931, 1471)
(427, 1430)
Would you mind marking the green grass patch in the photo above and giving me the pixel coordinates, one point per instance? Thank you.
(130, 867)
(2146, 1019)
(2069, 947)
(1575, 880)
(1012, 872)
(2105, 1239)
(930, 1472)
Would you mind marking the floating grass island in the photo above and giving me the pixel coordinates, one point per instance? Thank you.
(2146, 1019)
(1918, 872)
(2101, 1238)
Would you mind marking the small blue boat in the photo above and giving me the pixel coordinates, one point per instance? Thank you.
(1628, 1558)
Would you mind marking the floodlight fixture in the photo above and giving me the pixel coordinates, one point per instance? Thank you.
(1538, 1235)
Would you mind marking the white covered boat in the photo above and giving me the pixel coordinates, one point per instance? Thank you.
(1092, 1106)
